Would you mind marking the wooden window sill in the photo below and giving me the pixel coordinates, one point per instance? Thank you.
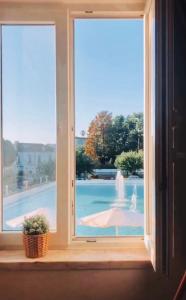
(76, 260)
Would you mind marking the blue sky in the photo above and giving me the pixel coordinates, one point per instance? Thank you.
(108, 68)
(28, 61)
(108, 75)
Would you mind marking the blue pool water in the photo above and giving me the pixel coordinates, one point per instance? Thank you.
(91, 197)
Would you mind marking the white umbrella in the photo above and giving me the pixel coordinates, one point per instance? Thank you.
(19, 220)
(113, 217)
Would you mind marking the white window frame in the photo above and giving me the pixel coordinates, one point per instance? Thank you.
(101, 240)
(18, 15)
(62, 17)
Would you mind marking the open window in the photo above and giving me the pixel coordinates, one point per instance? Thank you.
(109, 128)
(150, 188)
(106, 78)
(78, 101)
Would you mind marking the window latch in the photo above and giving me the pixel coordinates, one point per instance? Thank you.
(91, 241)
(89, 11)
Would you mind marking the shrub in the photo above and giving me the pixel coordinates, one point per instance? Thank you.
(130, 161)
(35, 225)
(84, 164)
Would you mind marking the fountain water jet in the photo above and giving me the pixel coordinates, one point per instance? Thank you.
(134, 199)
(120, 201)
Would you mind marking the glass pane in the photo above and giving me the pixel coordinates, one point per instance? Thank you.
(29, 123)
(109, 196)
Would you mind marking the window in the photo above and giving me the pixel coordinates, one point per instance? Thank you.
(51, 89)
(109, 127)
(28, 123)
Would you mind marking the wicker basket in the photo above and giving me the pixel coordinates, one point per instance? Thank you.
(35, 245)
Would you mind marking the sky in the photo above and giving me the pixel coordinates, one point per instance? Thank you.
(108, 68)
(28, 83)
(108, 76)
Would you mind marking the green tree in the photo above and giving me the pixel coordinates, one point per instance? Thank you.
(130, 162)
(134, 128)
(84, 164)
(9, 153)
(117, 137)
(20, 179)
(109, 137)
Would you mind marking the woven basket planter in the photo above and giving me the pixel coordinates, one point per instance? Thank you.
(35, 245)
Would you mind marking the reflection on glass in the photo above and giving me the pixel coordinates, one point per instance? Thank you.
(29, 133)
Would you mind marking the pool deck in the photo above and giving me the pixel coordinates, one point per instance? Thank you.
(127, 181)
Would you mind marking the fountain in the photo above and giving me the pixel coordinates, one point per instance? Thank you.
(120, 188)
(120, 201)
(133, 199)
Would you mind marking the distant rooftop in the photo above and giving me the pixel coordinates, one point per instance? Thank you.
(32, 147)
(37, 147)
(80, 141)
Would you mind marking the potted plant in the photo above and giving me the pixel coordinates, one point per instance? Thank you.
(35, 236)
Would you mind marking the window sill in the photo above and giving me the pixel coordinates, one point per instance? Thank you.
(76, 260)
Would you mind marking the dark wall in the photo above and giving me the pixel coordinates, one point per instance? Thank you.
(180, 130)
(84, 285)
(177, 99)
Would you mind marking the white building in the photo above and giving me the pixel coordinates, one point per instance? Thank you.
(30, 155)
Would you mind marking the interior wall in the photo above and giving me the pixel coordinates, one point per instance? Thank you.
(91, 285)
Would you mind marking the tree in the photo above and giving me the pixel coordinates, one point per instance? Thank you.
(130, 161)
(98, 143)
(84, 164)
(20, 179)
(109, 137)
(9, 153)
(117, 136)
(134, 125)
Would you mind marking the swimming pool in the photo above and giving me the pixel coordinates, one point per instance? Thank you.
(91, 197)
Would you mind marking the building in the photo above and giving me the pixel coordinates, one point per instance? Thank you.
(80, 141)
(31, 155)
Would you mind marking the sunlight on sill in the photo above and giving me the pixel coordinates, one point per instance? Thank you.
(77, 259)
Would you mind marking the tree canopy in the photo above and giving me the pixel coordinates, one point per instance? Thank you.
(110, 136)
(130, 162)
(9, 153)
(98, 144)
(84, 164)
